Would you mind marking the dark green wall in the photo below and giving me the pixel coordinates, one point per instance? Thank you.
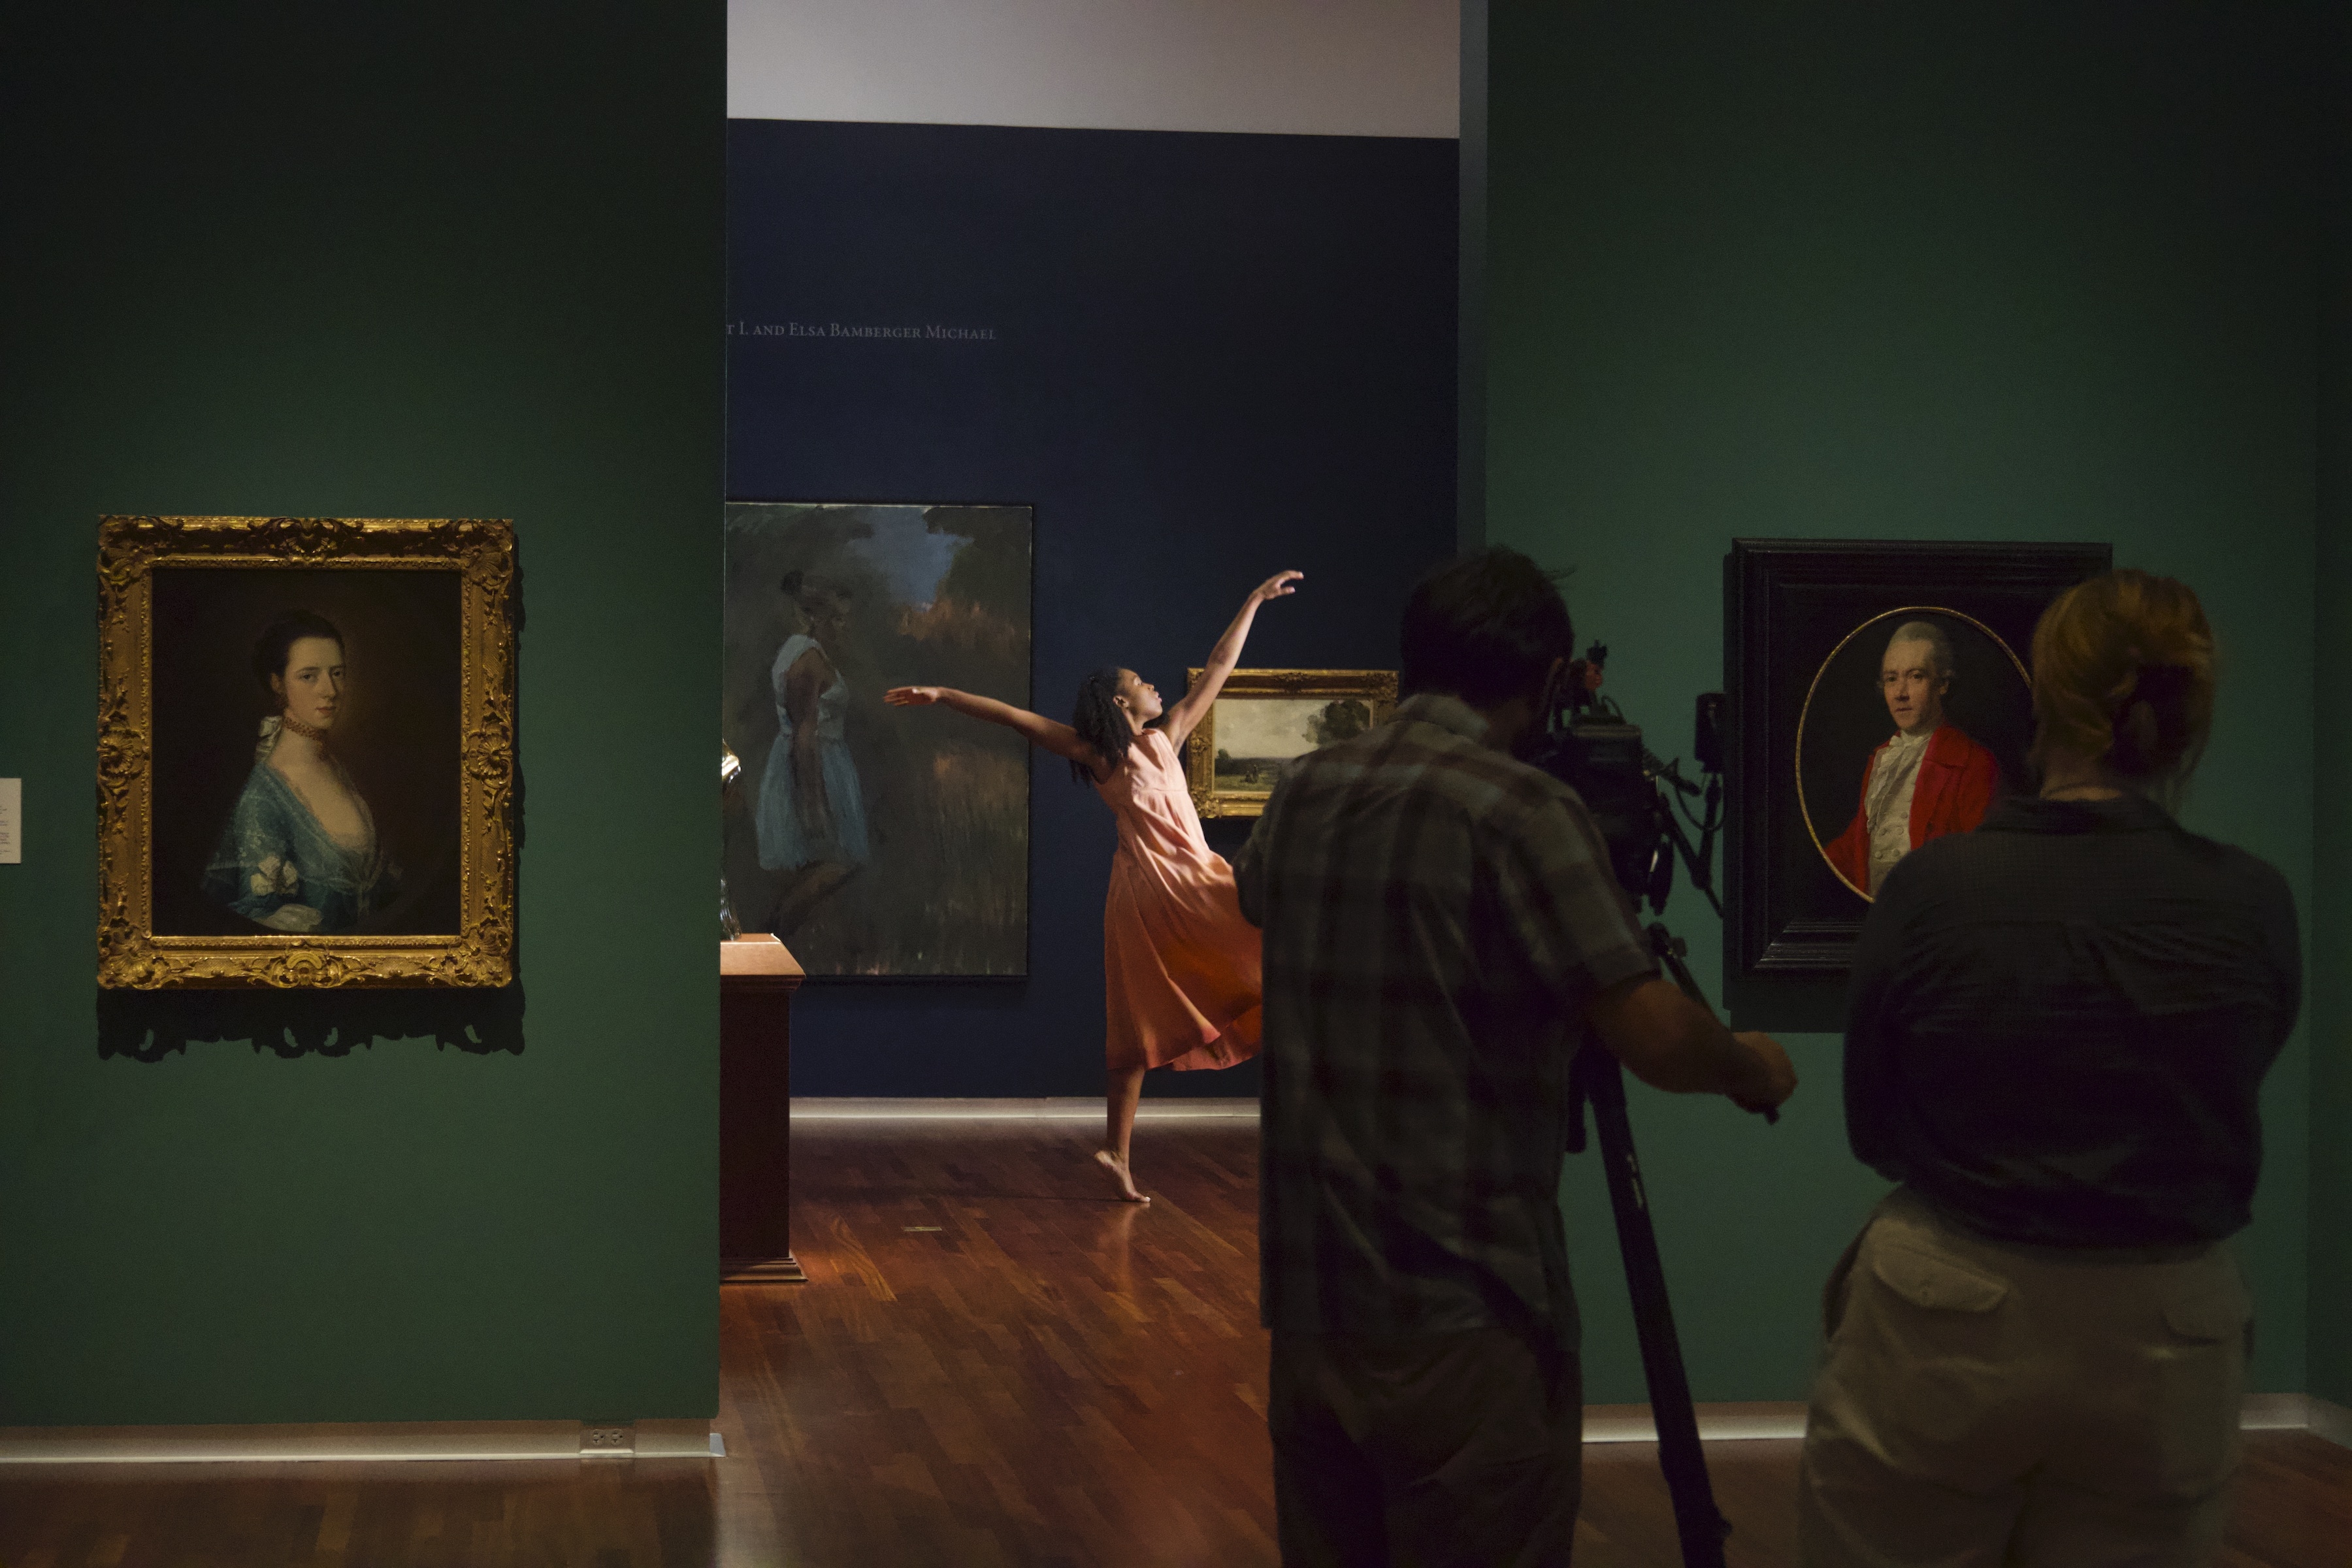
(2331, 926)
(412, 261)
(1979, 272)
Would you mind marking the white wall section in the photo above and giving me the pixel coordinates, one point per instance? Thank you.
(1327, 68)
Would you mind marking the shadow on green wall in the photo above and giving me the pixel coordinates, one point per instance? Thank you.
(1785, 1004)
(148, 1026)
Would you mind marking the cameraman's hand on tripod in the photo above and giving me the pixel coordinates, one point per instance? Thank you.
(1775, 1077)
(1670, 1042)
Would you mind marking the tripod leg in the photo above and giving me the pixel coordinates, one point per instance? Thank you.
(1697, 1520)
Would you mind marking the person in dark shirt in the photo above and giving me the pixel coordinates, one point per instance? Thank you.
(1443, 933)
(2057, 1031)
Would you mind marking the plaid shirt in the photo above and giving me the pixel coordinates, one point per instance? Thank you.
(1436, 914)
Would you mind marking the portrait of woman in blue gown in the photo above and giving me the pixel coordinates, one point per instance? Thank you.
(300, 853)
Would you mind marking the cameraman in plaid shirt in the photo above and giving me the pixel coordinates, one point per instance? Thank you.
(1442, 931)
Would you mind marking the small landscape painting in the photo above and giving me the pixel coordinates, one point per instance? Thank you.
(1265, 720)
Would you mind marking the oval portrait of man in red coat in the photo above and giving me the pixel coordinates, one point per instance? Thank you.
(1915, 724)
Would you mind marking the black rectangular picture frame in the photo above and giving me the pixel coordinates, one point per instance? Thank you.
(1787, 603)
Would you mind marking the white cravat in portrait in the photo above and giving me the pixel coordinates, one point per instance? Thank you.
(1894, 775)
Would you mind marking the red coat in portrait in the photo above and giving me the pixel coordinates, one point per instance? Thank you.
(1957, 783)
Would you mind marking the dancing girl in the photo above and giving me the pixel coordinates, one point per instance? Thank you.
(1180, 965)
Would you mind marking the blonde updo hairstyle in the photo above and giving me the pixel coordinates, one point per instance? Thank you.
(2123, 674)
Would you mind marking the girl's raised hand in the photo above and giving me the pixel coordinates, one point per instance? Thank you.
(1276, 587)
(914, 696)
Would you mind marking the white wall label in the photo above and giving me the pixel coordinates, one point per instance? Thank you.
(12, 814)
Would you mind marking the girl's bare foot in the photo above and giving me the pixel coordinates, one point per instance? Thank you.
(1117, 1168)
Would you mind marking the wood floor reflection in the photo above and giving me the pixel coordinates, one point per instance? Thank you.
(996, 1362)
(991, 1363)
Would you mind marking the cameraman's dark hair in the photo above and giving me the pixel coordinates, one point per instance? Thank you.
(277, 643)
(1484, 627)
(1101, 723)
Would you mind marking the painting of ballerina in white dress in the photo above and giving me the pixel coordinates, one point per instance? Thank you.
(872, 849)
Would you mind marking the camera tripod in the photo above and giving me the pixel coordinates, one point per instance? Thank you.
(1597, 1080)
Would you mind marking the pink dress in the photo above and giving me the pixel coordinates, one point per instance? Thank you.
(1180, 963)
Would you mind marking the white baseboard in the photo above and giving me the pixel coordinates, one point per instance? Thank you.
(2274, 1413)
(1723, 1423)
(574, 1441)
(347, 1442)
(1732, 1423)
(1186, 1107)
(2299, 1412)
(2331, 1421)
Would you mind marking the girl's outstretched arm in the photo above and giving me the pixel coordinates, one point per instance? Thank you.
(1058, 739)
(1185, 714)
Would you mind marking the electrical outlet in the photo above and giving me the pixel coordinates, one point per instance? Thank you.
(608, 1439)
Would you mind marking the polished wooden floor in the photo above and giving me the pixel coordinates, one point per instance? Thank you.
(991, 1364)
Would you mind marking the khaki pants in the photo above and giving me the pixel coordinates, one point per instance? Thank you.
(1460, 1450)
(1982, 1404)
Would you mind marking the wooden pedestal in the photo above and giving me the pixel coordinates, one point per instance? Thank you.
(757, 978)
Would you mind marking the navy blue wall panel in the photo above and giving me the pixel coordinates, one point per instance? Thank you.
(1208, 357)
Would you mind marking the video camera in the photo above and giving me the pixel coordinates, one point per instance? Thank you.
(1589, 745)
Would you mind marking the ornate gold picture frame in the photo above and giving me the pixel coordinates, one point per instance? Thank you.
(306, 756)
(1266, 719)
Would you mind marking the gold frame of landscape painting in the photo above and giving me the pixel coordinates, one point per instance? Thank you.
(1279, 715)
(392, 811)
